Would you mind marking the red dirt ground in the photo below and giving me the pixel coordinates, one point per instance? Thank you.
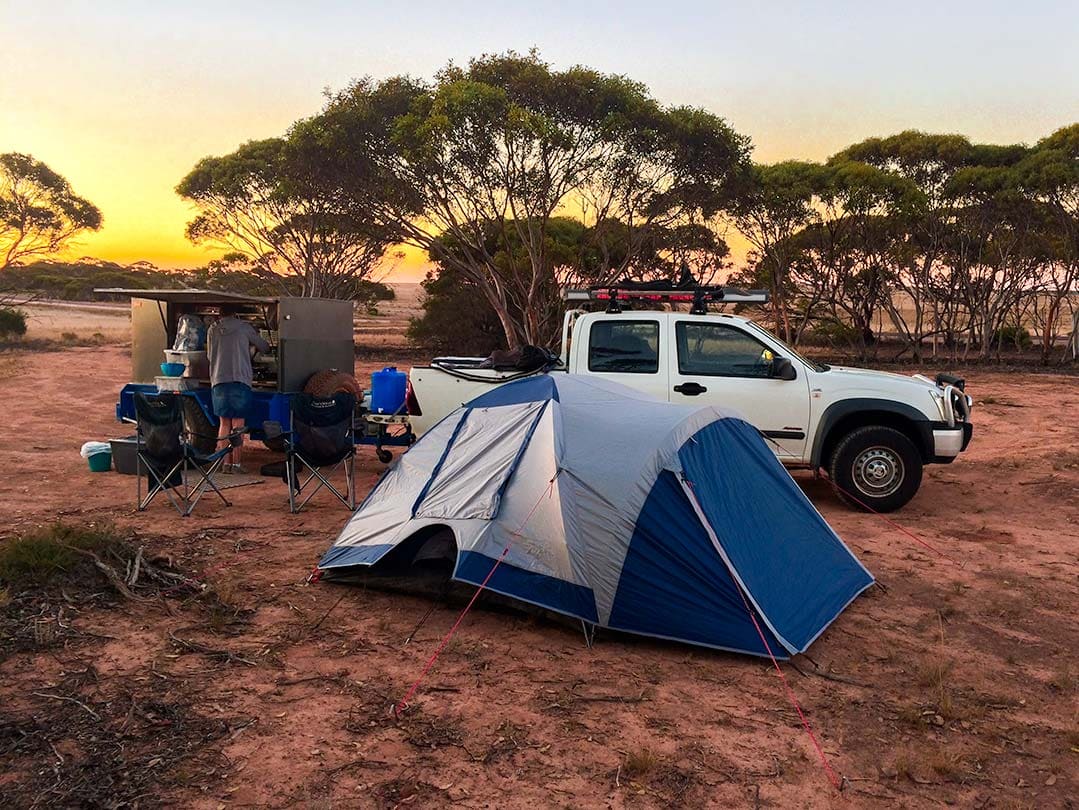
(957, 684)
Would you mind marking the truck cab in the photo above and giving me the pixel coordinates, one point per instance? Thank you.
(700, 359)
(871, 431)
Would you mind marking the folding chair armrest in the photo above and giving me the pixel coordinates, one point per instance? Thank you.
(234, 437)
(214, 456)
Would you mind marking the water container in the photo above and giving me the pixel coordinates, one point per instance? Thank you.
(388, 391)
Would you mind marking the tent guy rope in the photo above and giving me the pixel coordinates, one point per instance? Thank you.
(402, 704)
(891, 522)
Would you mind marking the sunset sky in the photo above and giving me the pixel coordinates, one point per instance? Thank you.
(123, 98)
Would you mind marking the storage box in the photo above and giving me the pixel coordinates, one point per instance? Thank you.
(125, 455)
(176, 383)
(100, 462)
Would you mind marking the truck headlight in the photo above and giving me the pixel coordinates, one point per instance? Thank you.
(942, 408)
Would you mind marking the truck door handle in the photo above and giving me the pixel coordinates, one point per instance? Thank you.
(690, 389)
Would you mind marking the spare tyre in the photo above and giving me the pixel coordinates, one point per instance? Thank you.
(330, 381)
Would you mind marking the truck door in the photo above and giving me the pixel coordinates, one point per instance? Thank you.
(720, 364)
(627, 350)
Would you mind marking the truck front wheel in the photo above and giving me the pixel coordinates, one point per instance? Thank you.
(876, 468)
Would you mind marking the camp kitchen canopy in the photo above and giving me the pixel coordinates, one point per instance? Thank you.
(618, 509)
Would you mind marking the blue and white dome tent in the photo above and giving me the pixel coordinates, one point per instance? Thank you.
(626, 512)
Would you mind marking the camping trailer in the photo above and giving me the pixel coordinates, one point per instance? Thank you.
(306, 335)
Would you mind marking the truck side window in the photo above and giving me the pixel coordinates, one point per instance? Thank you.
(716, 350)
(628, 347)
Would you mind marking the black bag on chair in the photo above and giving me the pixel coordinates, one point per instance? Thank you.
(166, 457)
(322, 436)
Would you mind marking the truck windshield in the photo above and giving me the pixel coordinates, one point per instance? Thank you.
(811, 363)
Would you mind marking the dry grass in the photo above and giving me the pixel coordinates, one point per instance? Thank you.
(1068, 460)
(933, 671)
(924, 766)
(945, 763)
(9, 366)
(640, 763)
(41, 555)
(1064, 679)
(226, 603)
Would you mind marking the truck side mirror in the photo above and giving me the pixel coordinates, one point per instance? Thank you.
(783, 369)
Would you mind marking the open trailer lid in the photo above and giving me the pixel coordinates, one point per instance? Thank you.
(188, 296)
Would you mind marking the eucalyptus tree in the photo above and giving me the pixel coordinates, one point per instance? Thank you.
(991, 247)
(1050, 175)
(269, 203)
(928, 161)
(510, 143)
(40, 214)
(778, 202)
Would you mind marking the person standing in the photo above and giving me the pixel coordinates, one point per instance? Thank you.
(228, 348)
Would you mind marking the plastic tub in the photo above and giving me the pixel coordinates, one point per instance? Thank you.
(175, 383)
(196, 363)
(100, 462)
(125, 455)
(388, 390)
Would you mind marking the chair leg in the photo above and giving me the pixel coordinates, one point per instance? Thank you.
(160, 485)
(314, 474)
(206, 482)
(352, 481)
(324, 481)
(290, 473)
(350, 478)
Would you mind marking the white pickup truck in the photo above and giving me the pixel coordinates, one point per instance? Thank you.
(871, 431)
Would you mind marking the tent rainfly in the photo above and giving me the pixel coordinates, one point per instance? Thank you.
(599, 502)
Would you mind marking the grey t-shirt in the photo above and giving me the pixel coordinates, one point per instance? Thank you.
(228, 348)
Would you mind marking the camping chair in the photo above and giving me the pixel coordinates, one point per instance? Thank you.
(322, 439)
(168, 459)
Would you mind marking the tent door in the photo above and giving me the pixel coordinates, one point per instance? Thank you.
(478, 462)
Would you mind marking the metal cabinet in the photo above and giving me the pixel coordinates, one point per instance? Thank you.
(307, 334)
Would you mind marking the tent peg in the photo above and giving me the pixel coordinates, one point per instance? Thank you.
(589, 631)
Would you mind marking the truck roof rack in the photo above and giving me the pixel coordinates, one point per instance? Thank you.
(699, 295)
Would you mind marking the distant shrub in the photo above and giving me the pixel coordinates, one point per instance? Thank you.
(456, 317)
(12, 323)
(1011, 337)
(833, 333)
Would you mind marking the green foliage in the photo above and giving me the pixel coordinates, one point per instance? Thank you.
(456, 317)
(273, 205)
(1012, 337)
(12, 323)
(506, 143)
(52, 552)
(39, 211)
(834, 333)
(76, 281)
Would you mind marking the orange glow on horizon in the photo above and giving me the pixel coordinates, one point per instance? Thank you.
(123, 99)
